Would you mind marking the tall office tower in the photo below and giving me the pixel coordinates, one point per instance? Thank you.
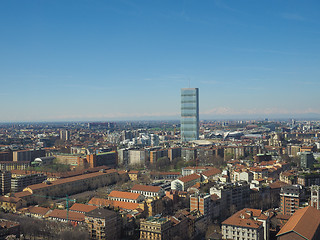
(189, 114)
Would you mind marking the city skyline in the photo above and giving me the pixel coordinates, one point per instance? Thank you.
(127, 60)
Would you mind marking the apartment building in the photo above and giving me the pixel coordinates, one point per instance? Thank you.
(174, 153)
(103, 159)
(103, 224)
(208, 205)
(309, 179)
(154, 228)
(235, 194)
(18, 183)
(290, 198)
(137, 157)
(27, 155)
(5, 182)
(156, 154)
(8, 166)
(246, 224)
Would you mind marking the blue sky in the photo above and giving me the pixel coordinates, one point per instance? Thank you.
(115, 60)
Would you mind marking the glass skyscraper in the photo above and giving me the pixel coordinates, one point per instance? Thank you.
(189, 114)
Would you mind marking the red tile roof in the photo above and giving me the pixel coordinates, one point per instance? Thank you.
(189, 177)
(125, 195)
(125, 205)
(146, 188)
(305, 222)
(277, 184)
(22, 194)
(62, 214)
(79, 207)
(243, 218)
(100, 202)
(211, 172)
(38, 210)
(70, 179)
(10, 199)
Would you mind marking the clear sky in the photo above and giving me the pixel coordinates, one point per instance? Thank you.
(115, 60)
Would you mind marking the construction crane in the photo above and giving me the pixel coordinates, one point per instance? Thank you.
(67, 199)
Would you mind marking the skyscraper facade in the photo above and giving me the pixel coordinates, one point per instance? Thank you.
(189, 114)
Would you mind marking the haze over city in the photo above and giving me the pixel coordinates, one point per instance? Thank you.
(127, 60)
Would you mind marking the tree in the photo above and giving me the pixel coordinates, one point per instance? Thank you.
(163, 164)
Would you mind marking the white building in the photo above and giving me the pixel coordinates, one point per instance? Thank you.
(148, 191)
(183, 183)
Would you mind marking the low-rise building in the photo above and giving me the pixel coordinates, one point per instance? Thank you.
(82, 208)
(126, 197)
(37, 212)
(192, 170)
(133, 175)
(66, 216)
(165, 175)
(11, 204)
(72, 185)
(148, 191)
(183, 183)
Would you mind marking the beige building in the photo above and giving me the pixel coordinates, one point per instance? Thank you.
(72, 185)
(155, 229)
(11, 204)
(103, 224)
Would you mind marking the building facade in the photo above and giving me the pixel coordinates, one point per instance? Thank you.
(155, 228)
(247, 224)
(290, 197)
(103, 224)
(315, 197)
(189, 114)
